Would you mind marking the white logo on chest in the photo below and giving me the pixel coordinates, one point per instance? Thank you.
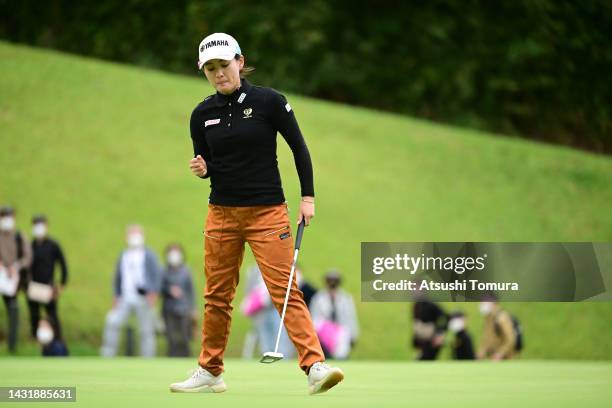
(211, 122)
(247, 113)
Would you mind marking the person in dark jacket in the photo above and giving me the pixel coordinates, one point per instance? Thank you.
(462, 345)
(307, 289)
(46, 254)
(234, 138)
(429, 326)
(178, 301)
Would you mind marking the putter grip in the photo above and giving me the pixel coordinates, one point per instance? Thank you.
(300, 232)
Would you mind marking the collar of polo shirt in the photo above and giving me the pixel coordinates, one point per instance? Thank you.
(221, 100)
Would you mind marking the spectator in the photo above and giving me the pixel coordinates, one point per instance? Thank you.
(304, 286)
(257, 305)
(46, 254)
(52, 345)
(498, 340)
(136, 288)
(462, 345)
(429, 326)
(15, 258)
(178, 302)
(333, 313)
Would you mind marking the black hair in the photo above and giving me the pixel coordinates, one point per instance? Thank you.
(175, 245)
(455, 314)
(6, 210)
(39, 218)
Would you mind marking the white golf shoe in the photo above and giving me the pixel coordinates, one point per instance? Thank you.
(322, 377)
(200, 381)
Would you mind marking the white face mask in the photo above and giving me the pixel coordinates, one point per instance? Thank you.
(135, 240)
(456, 324)
(486, 308)
(7, 223)
(174, 258)
(39, 230)
(44, 335)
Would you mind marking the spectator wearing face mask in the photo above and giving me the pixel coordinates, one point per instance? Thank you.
(178, 302)
(46, 254)
(461, 346)
(136, 288)
(429, 324)
(52, 345)
(15, 258)
(498, 339)
(334, 316)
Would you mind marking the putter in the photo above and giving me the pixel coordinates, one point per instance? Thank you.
(272, 356)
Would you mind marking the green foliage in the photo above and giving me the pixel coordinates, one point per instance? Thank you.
(537, 68)
(97, 145)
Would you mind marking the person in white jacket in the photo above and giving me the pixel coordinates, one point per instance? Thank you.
(334, 316)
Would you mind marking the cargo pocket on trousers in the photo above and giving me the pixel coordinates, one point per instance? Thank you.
(212, 250)
(279, 246)
(283, 232)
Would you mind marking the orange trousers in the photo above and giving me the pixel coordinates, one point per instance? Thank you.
(267, 231)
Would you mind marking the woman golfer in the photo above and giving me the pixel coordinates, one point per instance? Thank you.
(234, 141)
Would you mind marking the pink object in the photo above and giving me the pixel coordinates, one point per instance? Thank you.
(334, 338)
(255, 301)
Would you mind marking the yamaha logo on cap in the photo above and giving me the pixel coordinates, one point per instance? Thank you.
(214, 43)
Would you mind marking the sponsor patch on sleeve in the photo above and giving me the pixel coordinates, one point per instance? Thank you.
(288, 107)
(211, 122)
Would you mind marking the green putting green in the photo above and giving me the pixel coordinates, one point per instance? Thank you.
(139, 382)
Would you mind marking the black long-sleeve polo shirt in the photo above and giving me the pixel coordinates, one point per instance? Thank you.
(45, 254)
(236, 136)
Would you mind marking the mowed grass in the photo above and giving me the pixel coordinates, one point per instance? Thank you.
(130, 382)
(97, 145)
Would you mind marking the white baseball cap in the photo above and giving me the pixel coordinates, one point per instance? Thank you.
(217, 46)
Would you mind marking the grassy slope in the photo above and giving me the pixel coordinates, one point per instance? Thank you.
(98, 145)
(390, 384)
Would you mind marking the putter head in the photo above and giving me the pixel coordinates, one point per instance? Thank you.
(270, 357)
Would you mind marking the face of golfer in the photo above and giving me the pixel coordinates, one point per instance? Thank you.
(224, 75)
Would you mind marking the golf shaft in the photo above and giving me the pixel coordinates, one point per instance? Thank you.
(298, 241)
